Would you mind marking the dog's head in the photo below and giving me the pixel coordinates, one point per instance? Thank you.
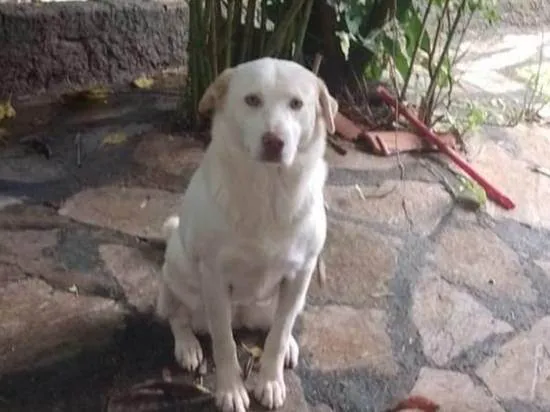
(275, 109)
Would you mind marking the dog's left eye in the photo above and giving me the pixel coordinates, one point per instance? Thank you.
(253, 100)
(296, 104)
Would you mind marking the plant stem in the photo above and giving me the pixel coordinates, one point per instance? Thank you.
(461, 39)
(436, 37)
(430, 94)
(536, 84)
(450, 76)
(415, 51)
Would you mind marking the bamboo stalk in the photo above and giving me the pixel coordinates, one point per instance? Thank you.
(317, 63)
(193, 17)
(229, 33)
(277, 39)
(249, 25)
(287, 48)
(237, 17)
(213, 46)
(303, 30)
(263, 28)
(212, 20)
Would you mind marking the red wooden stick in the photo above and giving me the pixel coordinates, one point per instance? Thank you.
(492, 192)
(419, 403)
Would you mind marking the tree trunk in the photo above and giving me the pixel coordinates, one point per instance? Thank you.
(336, 70)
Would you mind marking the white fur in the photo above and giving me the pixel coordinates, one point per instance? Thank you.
(242, 250)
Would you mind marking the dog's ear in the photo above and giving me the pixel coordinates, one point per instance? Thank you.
(329, 106)
(215, 93)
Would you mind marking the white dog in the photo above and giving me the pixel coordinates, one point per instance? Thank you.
(252, 224)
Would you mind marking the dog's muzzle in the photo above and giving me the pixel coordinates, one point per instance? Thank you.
(272, 148)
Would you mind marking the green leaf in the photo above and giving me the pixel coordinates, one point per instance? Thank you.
(403, 8)
(472, 189)
(412, 26)
(344, 42)
(395, 49)
(444, 77)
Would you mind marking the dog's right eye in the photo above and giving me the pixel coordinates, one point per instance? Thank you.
(253, 100)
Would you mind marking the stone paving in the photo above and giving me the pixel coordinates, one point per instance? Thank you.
(421, 296)
(497, 73)
(502, 65)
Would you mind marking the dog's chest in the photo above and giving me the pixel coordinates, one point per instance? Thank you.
(254, 270)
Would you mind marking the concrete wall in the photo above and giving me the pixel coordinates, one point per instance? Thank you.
(55, 46)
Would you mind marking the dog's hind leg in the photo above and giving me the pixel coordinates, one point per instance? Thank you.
(187, 348)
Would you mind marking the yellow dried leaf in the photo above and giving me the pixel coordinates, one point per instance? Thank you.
(4, 136)
(97, 94)
(321, 272)
(202, 388)
(143, 82)
(6, 110)
(254, 351)
(114, 138)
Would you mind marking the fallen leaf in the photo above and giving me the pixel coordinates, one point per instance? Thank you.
(143, 82)
(470, 191)
(96, 93)
(92, 95)
(202, 388)
(114, 138)
(248, 367)
(254, 351)
(539, 169)
(73, 289)
(152, 394)
(4, 134)
(360, 192)
(321, 272)
(6, 110)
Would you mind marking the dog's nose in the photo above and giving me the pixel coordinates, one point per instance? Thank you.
(272, 142)
(272, 147)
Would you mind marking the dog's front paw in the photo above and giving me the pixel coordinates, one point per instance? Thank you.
(271, 393)
(188, 351)
(231, 395)
(292, 353)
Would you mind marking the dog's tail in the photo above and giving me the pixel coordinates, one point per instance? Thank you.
(171, 224)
